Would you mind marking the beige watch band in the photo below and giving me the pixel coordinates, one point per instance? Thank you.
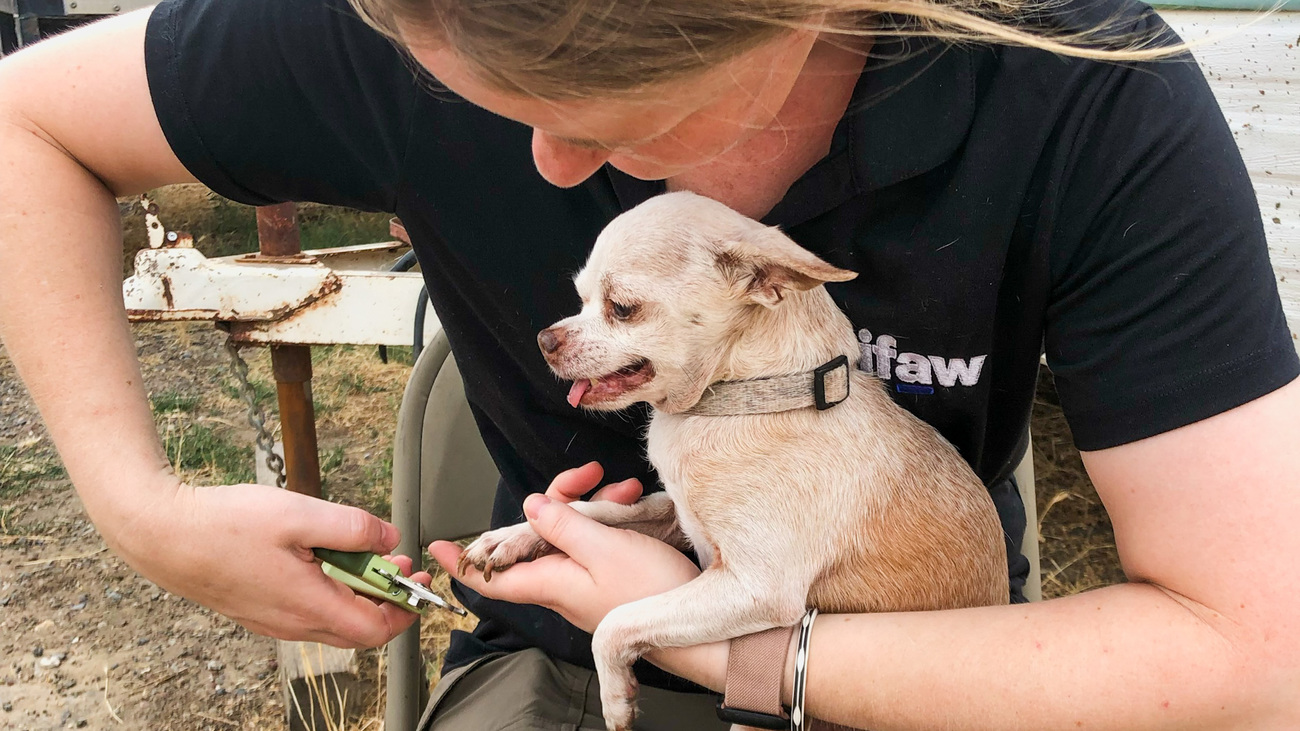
(755, 666)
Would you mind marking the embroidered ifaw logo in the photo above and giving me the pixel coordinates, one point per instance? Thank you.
(914, 372)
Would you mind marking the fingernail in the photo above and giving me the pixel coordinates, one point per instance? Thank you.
(533, 505)
(392, 536)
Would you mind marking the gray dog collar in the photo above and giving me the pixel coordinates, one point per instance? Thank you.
(823, 387)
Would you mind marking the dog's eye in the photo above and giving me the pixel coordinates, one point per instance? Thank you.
(621, 311)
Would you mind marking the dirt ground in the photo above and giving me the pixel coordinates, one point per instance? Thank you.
(87, 643)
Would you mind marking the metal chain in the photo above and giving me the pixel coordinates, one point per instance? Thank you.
(256, 417)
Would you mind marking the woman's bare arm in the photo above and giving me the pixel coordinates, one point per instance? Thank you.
(1204, 637)
(77, 128)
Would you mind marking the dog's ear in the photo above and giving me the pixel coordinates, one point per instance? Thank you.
(765, 264)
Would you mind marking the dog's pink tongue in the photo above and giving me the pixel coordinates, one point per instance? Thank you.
(577, 390)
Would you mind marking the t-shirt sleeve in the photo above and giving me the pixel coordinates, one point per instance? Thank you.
(267, 101)
(1164, 309)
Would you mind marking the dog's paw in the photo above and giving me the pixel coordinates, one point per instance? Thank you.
(614, 655)
(618, 703)
(498, 550)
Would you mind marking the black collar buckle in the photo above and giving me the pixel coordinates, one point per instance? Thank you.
(819, 381)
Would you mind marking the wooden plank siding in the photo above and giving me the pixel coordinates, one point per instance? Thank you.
(1254, 71)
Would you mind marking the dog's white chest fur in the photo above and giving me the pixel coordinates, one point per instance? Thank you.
(666, 438)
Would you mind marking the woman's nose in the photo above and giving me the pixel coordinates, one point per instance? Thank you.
(562, 164)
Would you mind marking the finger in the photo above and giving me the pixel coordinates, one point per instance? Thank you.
(403, 563)
(446, 554)
(338, 616)
(397, 621)
(533, 582)
(626, 492)
(582, 538)
(275, 628)
(367, 622)
(344, 528)
(573, 483)
(372, 624)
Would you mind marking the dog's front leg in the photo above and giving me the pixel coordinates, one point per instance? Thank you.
(502, 548)
(718, 605)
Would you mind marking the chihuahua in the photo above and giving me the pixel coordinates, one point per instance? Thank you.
(796, 479)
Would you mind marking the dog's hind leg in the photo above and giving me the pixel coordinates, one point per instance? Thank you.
(502, 548)
(718, 605)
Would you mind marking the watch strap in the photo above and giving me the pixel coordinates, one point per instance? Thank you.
(755, 669)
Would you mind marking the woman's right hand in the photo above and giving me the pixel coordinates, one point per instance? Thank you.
(77, 127)
(245, 552)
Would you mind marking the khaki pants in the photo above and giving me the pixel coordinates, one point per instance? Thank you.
(528, 691)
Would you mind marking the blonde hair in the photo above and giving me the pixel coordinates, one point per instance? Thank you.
(570, 49)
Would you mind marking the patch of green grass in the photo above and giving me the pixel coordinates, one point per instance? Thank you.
(262, 390)
(400, 354)
(22, 469)
(200, 452)
(322, 353)
(377, 484)
(324, 227)
(323, 407)
(222, 227)
(332, 460)
(234, 229)
(173, 401)
(352, 382)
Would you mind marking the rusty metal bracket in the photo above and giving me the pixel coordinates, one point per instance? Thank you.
(398, 230)
(159, 236)
(263, 259)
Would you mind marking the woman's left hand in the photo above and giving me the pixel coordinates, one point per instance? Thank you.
(601, 567)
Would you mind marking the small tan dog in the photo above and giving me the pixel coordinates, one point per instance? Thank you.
(859, 507)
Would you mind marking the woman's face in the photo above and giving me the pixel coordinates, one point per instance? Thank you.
(657, 133)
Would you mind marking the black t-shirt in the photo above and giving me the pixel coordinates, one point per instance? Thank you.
(997, 203)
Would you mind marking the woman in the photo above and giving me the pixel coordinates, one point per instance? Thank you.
(998, 200)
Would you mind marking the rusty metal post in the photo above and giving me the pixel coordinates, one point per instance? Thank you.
(277, 235)
(277, 230)
(316, 679)
(291, 365)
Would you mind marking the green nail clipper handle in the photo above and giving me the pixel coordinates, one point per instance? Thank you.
(361, 571)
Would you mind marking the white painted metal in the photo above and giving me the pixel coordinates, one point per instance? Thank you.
(370, 308)
(306, 304)
(103, 7)
(378, 257)
(1254, 71)
(182, 284)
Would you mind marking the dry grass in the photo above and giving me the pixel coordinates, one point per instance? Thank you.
(1075, 537)
(357, 399)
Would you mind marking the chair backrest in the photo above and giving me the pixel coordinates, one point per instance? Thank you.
(443, 476)
(458, 478)
(444, 484)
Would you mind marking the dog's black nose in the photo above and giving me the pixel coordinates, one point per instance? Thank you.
(549, 341)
